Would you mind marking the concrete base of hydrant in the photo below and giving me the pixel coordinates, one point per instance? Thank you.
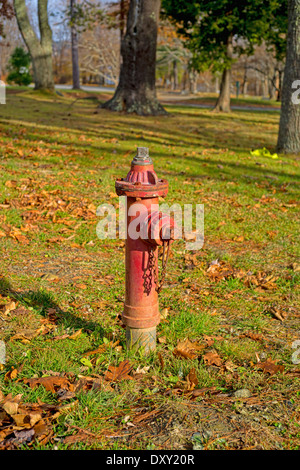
(141, 338)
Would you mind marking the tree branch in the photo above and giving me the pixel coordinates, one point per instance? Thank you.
(25, 27)
(46, 32)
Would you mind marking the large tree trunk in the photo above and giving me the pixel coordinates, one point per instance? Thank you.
(289, 127)
(136, 92)
(74, 48)
(223, 102)
(40, 49)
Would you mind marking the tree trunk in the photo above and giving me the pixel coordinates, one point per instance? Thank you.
(245, 80)
(289, 127)
(279, 86)
(136, 92)
(223, 102)
(74, 48)
(193, 81)
(40, 50)
(175, 75)
(122, 18)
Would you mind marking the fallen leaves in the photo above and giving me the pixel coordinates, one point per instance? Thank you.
(22, 423)
(69, 336)
(15, 233)
(219, 271)
(37, 205)
(277, 312)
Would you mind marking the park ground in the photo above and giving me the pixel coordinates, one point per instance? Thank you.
(225, 374)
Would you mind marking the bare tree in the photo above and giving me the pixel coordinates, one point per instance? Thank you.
(267, 67)
(10, 39)
(100, 53)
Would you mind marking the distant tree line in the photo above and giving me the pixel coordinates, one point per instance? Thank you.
(211, 36)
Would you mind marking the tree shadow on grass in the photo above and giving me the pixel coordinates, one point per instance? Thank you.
(41, 301)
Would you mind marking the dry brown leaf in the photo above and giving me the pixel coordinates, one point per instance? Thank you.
(229, 366)
(162, 339)
(52, 316)
(161, 361)
(212, 358)
(164, 313)
(21, 337)
(26, 419)
(11, 404)
(121, 372)
(11, 374)
(211, 339)
(16, 234)
(11, 183)
(92, 383)
(192, 380)
(81, 286)
(50, 383)
(278, 313)
(188, 349)
(270, 367)
(218, 271)
(104, 347)
(202, 391)
(76, 334)
(7, 308)
(254, 336)
(296, 267)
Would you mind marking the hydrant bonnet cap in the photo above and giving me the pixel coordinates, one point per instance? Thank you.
(142, 157)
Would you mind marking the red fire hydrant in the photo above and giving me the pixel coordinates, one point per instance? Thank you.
(146, 229)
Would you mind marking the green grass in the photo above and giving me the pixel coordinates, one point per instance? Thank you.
(59, 159)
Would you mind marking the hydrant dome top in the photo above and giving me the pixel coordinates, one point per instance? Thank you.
(142, 157)
(141, 180)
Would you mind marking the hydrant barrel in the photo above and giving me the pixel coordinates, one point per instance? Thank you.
(146, 229)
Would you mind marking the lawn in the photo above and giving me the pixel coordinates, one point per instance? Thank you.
(232, 307)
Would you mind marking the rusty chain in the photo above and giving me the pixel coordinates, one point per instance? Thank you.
(165, 257)
(153, 268)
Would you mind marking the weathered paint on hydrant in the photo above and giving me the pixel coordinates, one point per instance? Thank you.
(146, 229)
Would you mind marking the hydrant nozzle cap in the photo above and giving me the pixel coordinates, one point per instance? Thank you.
(142, 157)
